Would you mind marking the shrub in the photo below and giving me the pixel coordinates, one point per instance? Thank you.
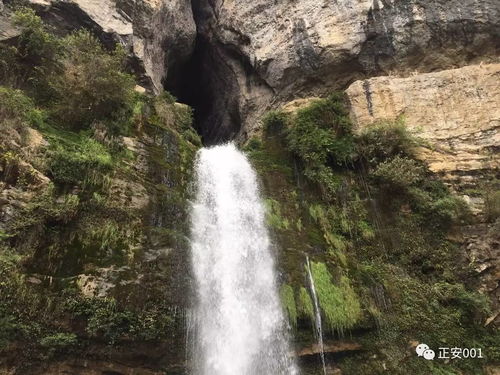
(72, 163)
(18, 109)
(492, 205)
(59, 342)
(9, 69)
(274, 122)
(437, 210)
(93, 85)
(321, 133)
(473, 304)
(385, 140)
(399, 172)
(38, 53)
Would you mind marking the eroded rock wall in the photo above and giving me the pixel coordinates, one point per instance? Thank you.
(299, 48)
(456, 111)
(159, 34)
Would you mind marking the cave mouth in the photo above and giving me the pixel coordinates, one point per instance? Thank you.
(206, 83)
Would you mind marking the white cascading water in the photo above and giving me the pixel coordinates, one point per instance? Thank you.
(241, 328)
(317, 320)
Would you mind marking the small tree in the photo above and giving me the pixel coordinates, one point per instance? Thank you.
(34, 59)
(93, 85)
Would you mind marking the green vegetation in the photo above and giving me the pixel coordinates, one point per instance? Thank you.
(378, 227)
(90, 210)
(339, 303)
(92, 86)
(305, 305)
(288, 301)
(321, 137)
(78, 81)
(386, 140)
(18, 110)
(75, 158)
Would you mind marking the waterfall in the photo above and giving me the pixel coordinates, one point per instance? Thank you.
(317, 320)
(241, 328)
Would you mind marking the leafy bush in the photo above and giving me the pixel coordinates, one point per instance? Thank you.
(72, 162)
(321, 133)
(437, 209)
(59, 342)
(93, 85)
(105, 319)
(492, 205)
(274, 122)
(16, 109)
(399, 172)
(473, 304)
(385, 140)
(37, 55)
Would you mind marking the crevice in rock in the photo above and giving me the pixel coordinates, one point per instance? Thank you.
(208, 83)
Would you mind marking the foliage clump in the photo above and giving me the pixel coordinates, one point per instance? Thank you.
(77, 158)
(74, 76)
(92, 85)
(305, 307)
(288, 300)
(385, 140)
(71, 102)
(376, 224)
(338, 301)
(18, 110)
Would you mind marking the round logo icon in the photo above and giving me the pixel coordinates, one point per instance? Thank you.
(429, 354)
(421, 348)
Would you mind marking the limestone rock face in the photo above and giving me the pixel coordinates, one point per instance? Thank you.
(159, 34)
(457, 111)
(299, 48)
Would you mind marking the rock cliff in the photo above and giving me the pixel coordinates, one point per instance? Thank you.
(275, 51)
(109, 248)
(159, 35)
(455, 111)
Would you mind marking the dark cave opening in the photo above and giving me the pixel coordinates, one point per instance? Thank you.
(207, 83)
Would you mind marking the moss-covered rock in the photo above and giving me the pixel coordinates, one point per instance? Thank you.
(378, 228)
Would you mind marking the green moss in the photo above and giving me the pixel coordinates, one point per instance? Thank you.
(273, 215)
(305, 306)
(339, 303)
(79, 159)
(288, 302)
